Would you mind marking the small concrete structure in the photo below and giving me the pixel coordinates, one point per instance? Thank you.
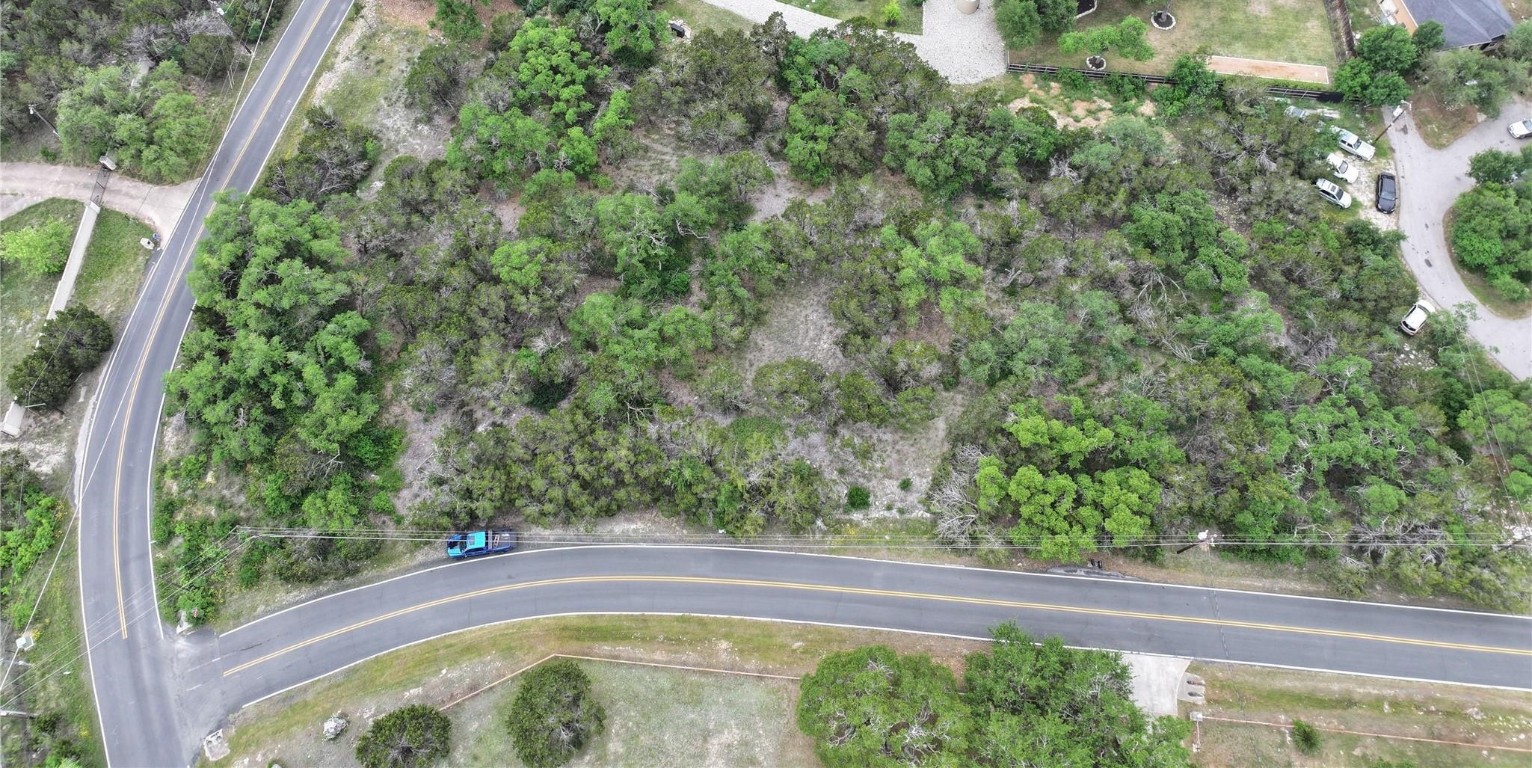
(1158, 682)
(966, 7)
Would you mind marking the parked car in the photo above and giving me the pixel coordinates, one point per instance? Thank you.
(1296, 112)
(1331, 191)
(1521, 129)
(1353, 143)
(1415, 319)
(1388, 192)
(1347, 172)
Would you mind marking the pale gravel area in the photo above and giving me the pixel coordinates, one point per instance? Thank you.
(963, 48)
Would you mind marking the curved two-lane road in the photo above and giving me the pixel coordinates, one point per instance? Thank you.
(309, 640)
(158, 694)
(138, 673)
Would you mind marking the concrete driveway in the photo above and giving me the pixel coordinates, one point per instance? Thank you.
(1430, 180)
(160, 206)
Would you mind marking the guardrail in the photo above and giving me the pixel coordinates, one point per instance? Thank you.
(1275, 90)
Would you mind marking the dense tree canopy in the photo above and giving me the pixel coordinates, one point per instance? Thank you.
(1492, 223)
(1020, 704)
(737, 278)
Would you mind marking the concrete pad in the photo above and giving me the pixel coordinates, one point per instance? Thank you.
(65, 290)
(1156, 682)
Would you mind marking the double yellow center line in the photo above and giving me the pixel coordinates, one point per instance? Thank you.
(862, 591)
(159, 317)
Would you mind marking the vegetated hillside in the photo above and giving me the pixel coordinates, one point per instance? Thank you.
(129, 79)
(1152, 326)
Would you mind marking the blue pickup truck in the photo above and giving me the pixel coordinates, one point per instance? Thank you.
(461, 546)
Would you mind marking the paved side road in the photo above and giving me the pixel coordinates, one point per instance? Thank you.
(1430, 181)
(159, 205)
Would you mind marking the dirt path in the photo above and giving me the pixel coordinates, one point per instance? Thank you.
(1278, 70)
(160, 206)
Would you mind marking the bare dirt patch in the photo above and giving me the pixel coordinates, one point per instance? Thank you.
(1277, 70)
(798, 324)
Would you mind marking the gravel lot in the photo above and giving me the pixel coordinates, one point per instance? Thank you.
(964, 49)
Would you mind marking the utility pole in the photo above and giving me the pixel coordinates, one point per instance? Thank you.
(1398, 111)
(32, 108)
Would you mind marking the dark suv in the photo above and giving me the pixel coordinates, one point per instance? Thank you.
(1388, 192)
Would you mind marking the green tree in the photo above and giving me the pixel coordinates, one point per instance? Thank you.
(1467, 76)
(1019, 23)
(71, 344)
(410, 737)
(554, 714)
(458, 21)
(1429, 38)
(1044, 704)
(438, 78)
(1388, 48)
(1518, 42)
(874, 707)
(633, 30)
(40, 250)
(208, 56)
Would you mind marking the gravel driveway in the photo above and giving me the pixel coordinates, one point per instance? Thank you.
(964, 49)
(1430, 180)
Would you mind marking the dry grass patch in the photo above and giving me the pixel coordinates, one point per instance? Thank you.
(1476, 717)
(1439, 124)
(286, 728)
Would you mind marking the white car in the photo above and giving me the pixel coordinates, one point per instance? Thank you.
(1347, 172)
(1521, 129)
(1415, 319)
(1329, 190)
(1352, 143)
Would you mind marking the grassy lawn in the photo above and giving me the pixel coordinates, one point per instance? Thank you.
(25, 296)
(679, 717)
(108, 282)
(286, 728)
(909, 22)
(1474, 716)
(1278, 30)
(62, 685)
(699, 15)
(1479, 286)
(656, 717)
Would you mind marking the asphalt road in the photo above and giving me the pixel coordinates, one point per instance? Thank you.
(313, 639)
(157, 694)
(140, 673)
(1430, 181)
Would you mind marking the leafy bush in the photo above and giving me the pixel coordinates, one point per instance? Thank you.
(71, 344)
(40, 250)
(858, 498)
(1306, 737)
(554, 714)
(411, 737)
